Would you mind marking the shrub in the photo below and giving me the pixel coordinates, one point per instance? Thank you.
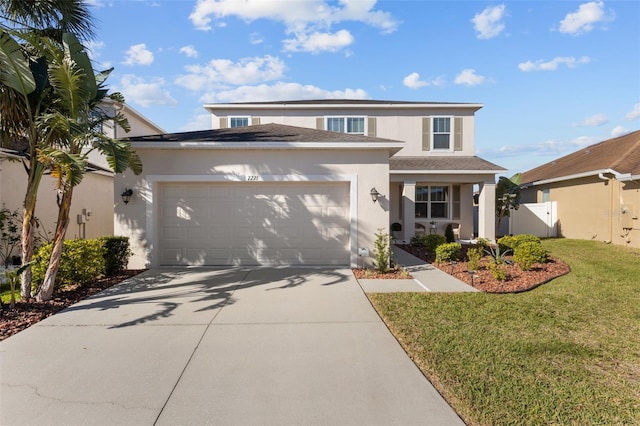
(417, 241)
(433, 241)
(449, 235)
(513, 241)
(528, 253)
(473, 256)
(82, 261)
(10, 233)
(483, 243)
(498, 270)
(116, 254)
(448, 252)
(382, 252)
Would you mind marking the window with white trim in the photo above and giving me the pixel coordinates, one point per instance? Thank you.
(442, 133)
(433, 202)
(351, 125)
(238, 121)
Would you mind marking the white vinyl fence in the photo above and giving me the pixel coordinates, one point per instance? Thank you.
(540, 219)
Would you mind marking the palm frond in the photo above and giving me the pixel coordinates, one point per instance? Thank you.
(14, 66)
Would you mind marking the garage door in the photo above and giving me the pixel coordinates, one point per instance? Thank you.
(253, 223)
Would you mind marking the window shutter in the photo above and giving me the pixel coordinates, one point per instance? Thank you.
(223, 122)
(320, 123)
(426, 133)
(457, 136)
(255, 121)
(371, 127)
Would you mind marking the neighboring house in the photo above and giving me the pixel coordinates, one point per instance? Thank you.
(291, 182)
(597, 190)
(92, 205)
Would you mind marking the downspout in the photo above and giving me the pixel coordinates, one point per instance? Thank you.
(610, 218)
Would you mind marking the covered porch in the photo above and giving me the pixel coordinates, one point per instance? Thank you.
(427, 194)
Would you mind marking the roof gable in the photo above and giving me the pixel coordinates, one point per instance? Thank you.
(621, 154)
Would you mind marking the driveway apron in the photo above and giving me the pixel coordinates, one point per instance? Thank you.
(201, 346)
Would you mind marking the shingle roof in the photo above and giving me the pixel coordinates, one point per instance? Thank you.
(442, 163)
(621, 154)
(260, 133)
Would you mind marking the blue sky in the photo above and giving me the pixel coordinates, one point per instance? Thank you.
(553, 76)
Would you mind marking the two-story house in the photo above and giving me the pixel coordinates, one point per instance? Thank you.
(305, 182)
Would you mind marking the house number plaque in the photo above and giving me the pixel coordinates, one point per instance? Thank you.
(252, 178)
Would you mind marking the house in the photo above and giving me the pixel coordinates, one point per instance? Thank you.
(92, 204)
(304, 182)
(597, 190)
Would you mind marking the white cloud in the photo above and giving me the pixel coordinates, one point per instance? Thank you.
(469, 77)
(189, 51)
(548, 149)
(138, 54)
(553, 64)
(145, 93)
(412, 81)
(593, 121)
(220, 72)
(255, 38)
(489, 23)
(633, 114)
(585, 18)
(310, 21)
(618, 131)
(199, 121)
(318, 42)
(94, 49)
(281, 91)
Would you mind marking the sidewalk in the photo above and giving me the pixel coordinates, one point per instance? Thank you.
(426, 278)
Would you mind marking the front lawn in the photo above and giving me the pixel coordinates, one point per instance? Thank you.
(565, 353)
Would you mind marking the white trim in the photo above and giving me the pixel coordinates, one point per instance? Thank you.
(440, 172)
(151, 188)
(361, 106)
(619, 176)
(392, 146)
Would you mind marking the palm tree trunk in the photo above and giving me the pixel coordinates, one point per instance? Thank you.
(46, 289)
(28, 224)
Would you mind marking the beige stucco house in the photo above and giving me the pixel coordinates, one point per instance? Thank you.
(92, 205)
(597, 190)
(292, 182)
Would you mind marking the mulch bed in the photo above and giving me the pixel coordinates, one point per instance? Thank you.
(25, 314)
(483, 280)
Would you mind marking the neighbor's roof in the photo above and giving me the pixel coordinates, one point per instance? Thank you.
(442, 164)
(620, 155)
(262, 133)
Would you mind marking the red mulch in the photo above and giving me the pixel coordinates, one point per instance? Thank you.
(25, 314)
(482, 279)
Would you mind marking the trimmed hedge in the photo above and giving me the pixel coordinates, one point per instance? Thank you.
(83, 260)
(430, 241)
(528, 253)
(513, 241)
(448, 252)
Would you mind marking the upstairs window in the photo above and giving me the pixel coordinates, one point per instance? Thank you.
(238, 121)
(351, 125)
(441, 133)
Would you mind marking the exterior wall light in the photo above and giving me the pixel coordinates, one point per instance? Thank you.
(126, 195)
(374, 194)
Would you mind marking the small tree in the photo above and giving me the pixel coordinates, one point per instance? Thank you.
(507, 197)
(382, 251)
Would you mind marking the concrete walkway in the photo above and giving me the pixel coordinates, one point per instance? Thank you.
(284, 346)
(426, 278)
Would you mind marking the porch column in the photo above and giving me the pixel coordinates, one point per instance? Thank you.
(487, 211)
(409, 210)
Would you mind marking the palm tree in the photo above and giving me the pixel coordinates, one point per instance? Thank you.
(70, 132)
(24, 89)
(507, 196)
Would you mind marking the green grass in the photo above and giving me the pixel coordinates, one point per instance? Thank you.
(566, 353)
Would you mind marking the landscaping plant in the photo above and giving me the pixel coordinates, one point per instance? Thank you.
(527, 253)
(474, 255)
(449, 235)
(382, 251)
(448, 252)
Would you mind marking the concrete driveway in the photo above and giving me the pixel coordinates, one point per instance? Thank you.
(260, 346)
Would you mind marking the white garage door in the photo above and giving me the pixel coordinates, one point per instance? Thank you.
(253, 223)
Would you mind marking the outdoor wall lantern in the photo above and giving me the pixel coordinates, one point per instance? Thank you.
(374, 194)
(126, 195)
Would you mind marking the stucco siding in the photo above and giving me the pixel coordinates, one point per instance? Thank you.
(362, 169)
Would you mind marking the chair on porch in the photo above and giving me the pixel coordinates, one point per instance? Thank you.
(456, 230)
(420, 229)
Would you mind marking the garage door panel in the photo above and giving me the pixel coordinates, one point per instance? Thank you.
(253, 224)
